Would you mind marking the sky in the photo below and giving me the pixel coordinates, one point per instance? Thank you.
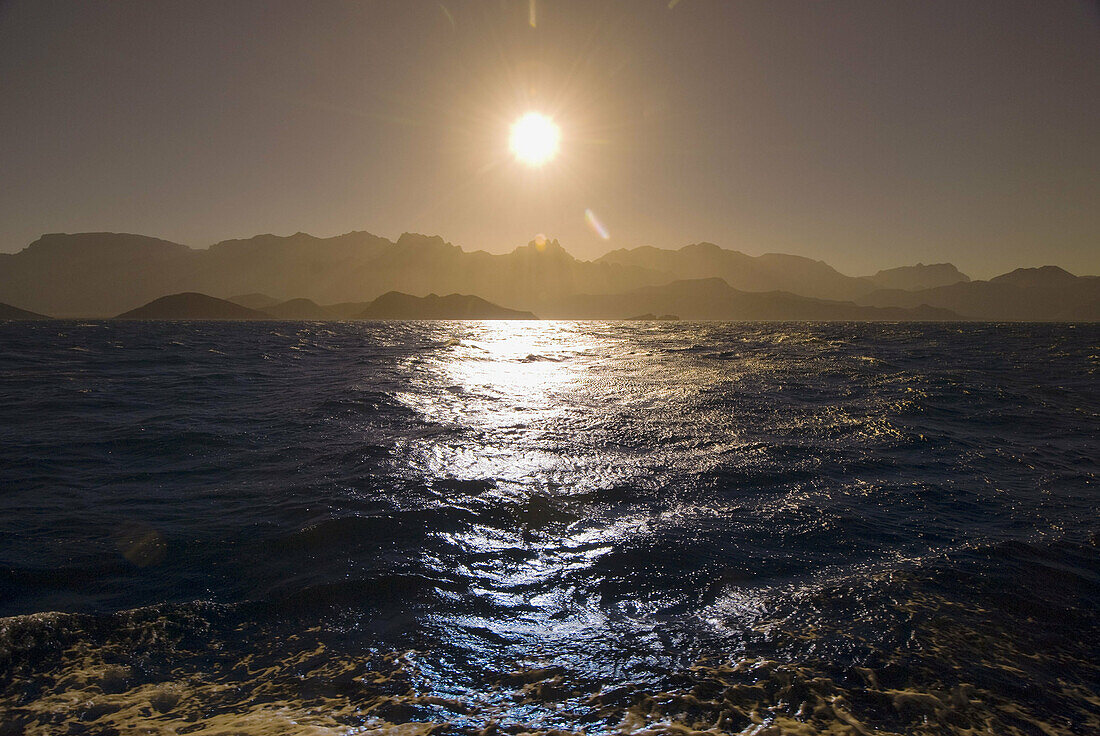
(864, 133)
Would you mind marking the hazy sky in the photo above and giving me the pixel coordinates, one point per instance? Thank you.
(867, 134)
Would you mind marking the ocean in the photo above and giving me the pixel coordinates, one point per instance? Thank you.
(505, 527)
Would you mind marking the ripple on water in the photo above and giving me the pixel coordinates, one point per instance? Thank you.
(597, 527)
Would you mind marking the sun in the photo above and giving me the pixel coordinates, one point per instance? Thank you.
(534, 139)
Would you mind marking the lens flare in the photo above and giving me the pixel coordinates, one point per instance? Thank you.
(534, 139)
(596, 225)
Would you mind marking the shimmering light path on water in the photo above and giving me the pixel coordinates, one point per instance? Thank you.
(807, 528)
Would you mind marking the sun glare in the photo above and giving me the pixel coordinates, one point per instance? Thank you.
(534, 139)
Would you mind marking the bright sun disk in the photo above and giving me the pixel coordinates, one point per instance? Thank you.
(534, 139)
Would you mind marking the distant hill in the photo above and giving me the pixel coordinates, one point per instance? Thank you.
(92, 274)
(301, 309)
(1044, 277)
(395, 305)
(7, 311)
(769, 272)
(1036, 294)
(714, 299)
(919, 276)
(192, 306)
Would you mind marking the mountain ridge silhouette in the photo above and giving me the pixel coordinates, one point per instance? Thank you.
(10, 312)
(392, 305)
(104, 274)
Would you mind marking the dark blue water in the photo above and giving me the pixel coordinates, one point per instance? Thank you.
(250, 528)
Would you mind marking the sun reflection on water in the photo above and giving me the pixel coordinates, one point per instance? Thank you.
(521, 406)
(508, 383)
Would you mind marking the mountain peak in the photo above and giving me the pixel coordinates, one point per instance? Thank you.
(417, 239)
(1049, 276)
(920, 276)
(192, 306)
(101, 241)
(544, 247)
(704, 247)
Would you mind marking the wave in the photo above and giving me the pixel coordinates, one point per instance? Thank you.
(549, 527)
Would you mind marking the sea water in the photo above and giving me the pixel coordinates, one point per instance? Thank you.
(599, 527)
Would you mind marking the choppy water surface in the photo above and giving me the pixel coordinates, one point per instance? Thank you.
(601, 527)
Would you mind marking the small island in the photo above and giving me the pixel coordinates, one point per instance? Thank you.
(192, 306)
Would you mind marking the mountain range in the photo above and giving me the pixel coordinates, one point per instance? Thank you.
(392, 305)
(106, 274)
